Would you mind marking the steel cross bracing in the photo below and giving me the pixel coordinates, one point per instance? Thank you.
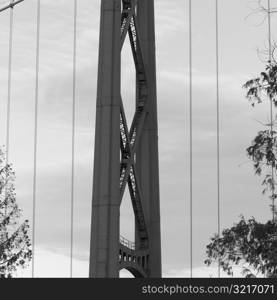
(130, 139)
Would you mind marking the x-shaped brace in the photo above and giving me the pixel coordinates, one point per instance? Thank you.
(130, 139)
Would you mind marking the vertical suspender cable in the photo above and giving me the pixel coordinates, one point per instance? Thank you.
(8, 118)
(9, 86)
(217, 126)
(190, 129)
(35, 135)
(73, 139)
(9, 96)
(271, 108)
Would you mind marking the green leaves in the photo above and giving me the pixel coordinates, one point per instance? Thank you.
(247, 242)
(262, 87)
(15, 243)
(263, 150)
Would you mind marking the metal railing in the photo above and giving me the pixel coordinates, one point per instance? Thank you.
(127, 243)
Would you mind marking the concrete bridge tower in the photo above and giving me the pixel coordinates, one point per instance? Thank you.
(126, 157)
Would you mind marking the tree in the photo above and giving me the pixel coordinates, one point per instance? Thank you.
(263, 150)
(249, 244)
(15, 243)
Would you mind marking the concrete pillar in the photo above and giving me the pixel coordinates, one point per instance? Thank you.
(104, 248)
(147, 154)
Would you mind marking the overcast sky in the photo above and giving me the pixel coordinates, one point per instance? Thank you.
(240, 189)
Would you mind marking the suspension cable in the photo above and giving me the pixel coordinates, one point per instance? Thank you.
(8, 117)
(217, 126)
(73, 138)
(190, 136)
(271, 108)
(35, 135)
(9, 86)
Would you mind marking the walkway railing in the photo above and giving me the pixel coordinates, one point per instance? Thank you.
(127, 243)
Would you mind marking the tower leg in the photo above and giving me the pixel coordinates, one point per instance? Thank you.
(124, 157)
(147, 153)
(104, 246)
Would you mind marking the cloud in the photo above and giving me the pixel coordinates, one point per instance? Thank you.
(49, 264)
(240, 190)
(202, 272)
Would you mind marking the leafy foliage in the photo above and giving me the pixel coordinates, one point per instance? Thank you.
(248, 244)
(263, 150)
(264, 86)
(14, 240)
